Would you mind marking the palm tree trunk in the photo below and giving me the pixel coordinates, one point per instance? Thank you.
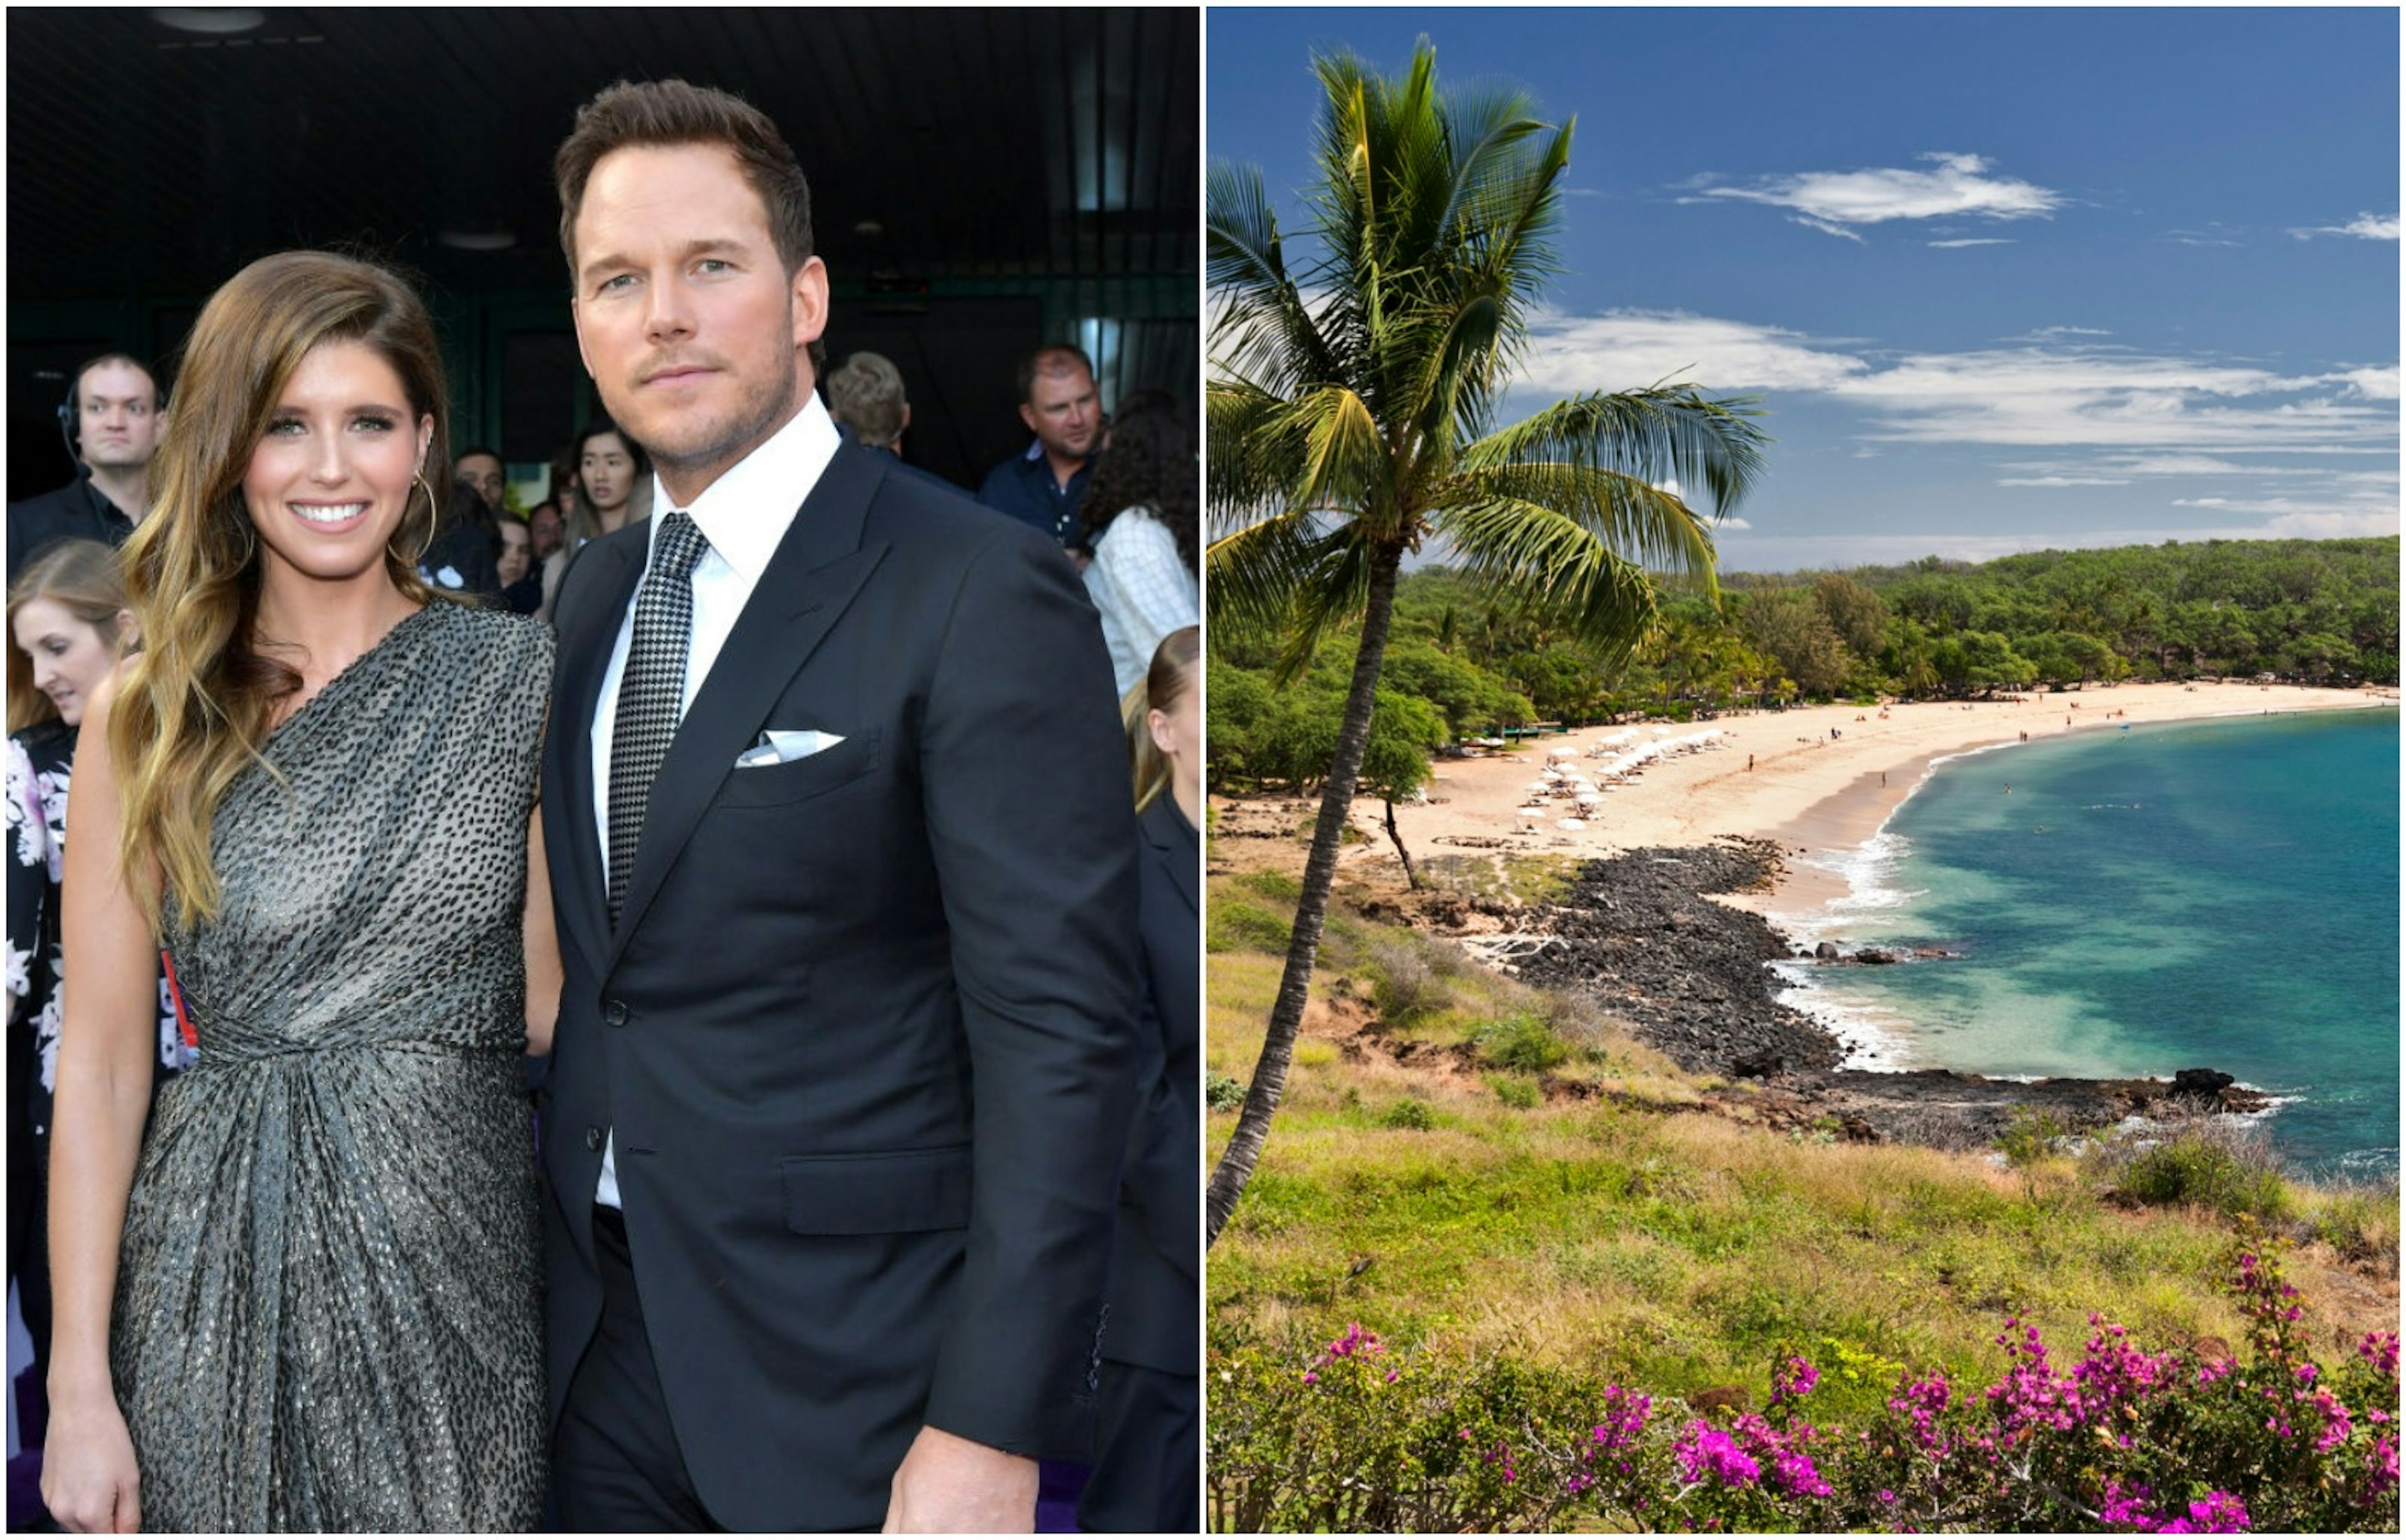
(1411, 878)
(1236, 1167)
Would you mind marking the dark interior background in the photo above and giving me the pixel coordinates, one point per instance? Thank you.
(983, 180)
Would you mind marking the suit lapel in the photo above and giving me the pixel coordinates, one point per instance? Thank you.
(583, 901)
(817, 571)
(1173, 854)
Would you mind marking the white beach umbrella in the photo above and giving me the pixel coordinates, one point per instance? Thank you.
(1570, 824)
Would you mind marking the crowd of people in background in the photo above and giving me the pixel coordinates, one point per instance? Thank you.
(1117, 493)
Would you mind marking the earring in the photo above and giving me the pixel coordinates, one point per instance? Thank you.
(434, 520)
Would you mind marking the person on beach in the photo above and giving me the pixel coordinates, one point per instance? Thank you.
(307, 1296)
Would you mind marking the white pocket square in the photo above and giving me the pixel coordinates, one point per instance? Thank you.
(783, 747)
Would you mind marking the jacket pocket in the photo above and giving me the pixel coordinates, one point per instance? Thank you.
(798, 780)
(889, 1193)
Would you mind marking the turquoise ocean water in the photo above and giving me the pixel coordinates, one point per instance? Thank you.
(2221, 892)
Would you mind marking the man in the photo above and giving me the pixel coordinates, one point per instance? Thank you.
(480, 472)
(845, 890)
(865, 398)
(113, 413)
(547, 531)
(1057, 401)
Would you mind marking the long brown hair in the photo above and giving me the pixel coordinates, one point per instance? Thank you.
(197, 704)
(1162, 687)
(80, 576)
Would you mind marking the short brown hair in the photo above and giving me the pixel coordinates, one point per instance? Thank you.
(664, 113)
(1053, 358)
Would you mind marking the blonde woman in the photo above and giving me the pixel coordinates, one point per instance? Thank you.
(307, 1297)
(1148, 1401)
(67, 624)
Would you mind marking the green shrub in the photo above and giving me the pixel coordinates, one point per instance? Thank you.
(1403, 984)
(2210, 1167)
(1276, 886)
(1410, 1112)
(1522, 1042)
(1243, 928)
(1519, 1090)
(1223, 1093)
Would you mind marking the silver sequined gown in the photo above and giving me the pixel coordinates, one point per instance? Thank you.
(329, 1307)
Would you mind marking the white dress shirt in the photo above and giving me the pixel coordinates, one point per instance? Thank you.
(1141, 587)
(744, 516)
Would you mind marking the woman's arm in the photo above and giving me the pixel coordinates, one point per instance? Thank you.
(106, 1045)
(543, 978)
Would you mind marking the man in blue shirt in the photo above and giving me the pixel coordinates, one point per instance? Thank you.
(1059, 403)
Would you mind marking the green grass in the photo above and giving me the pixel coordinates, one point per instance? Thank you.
(1682, 1250)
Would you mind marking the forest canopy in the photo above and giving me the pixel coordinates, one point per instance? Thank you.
(1463, 660)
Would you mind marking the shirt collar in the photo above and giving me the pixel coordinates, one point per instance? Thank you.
(745, 513)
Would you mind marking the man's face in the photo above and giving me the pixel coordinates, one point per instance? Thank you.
(687, 319)
(117, 418)
(482, 475)
(543, 531)
(1064, 413)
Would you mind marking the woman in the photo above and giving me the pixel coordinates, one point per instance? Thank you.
(1140, 514)
(68, 624)
(1144, 1478)
(513, 568)
(613, 489)
(308, 1296)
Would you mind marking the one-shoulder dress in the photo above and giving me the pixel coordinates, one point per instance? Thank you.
(329, 1298)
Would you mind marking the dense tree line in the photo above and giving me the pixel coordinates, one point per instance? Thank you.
(1463, 659)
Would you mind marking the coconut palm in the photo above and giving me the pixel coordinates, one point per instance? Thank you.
(1353, 417)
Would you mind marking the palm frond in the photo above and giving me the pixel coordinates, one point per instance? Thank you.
(1639, 520)
(1255, 573)
(1255, 460)
(1538, 561)
(1654, 434)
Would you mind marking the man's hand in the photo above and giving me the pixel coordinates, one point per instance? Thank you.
(950, 1485)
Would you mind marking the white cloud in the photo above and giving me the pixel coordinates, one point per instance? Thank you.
(2057, 393)
(2063, 481)
(1950, 246)
(2213, 235)
(2368, 227)
(1624, 348)
(2373, 384)
(1733, 523)
(1833, 202)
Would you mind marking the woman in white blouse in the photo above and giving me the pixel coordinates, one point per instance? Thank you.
(1142, 522)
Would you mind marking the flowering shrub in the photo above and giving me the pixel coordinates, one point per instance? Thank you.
(2181, 1441)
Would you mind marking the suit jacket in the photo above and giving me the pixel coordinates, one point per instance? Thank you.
(1157, 1259)
(863, 1027)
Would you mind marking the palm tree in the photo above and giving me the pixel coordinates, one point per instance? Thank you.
(1352, 414)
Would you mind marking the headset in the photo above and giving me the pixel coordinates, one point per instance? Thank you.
(70, 413)
(67, 413)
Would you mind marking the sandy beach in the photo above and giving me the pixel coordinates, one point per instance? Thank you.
(1818, 779)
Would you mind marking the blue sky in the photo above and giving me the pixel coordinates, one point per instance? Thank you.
(2005, 279)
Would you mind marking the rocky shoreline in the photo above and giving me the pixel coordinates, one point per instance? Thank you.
(1640, 935)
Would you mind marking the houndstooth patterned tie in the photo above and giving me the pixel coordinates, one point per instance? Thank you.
(651, 693)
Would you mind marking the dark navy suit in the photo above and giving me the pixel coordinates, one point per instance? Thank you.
(863, 1029)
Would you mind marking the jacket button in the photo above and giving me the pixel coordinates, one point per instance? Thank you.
(614, 1012)
(593, 1140)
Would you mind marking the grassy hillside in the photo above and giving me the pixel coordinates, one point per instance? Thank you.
(1489, 1173)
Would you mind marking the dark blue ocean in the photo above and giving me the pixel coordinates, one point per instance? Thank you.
(2221, 893)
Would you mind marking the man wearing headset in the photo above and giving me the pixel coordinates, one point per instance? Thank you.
(111, 417)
